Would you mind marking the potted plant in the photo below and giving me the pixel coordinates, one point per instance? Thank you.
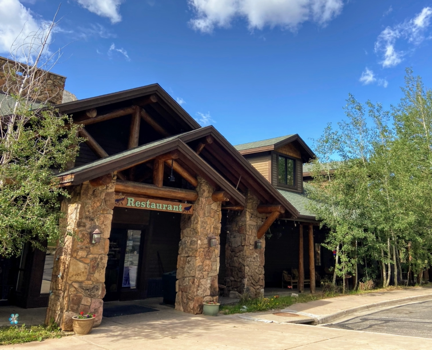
(83, 323)
(211, 308)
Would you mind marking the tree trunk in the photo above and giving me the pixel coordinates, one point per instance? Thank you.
(395, 266)
(384, 272)
(336, 263)
(356, 270)
(389, 262)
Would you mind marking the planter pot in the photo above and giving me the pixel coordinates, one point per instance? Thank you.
(211, 309)
(82, 326)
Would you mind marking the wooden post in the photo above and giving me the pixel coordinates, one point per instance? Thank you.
(134, 129)
(158, 172)
(92, 143)
(301, 261)
(267, 223)
(311, 260)
(149, 120)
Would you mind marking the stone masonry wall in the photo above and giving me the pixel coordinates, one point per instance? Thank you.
(198, 264)
(78, 280)
(53, 84)
(244, 263)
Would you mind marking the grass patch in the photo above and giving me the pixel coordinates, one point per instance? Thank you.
(23, 334)
(280, 302)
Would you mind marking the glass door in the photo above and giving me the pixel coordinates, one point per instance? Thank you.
(122, 265)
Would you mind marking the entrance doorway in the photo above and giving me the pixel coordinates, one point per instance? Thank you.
(123, 262)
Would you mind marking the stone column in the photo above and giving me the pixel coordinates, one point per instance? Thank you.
(244, 263)
(198, 264)
(78, 280)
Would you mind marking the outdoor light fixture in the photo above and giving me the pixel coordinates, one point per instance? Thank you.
(258, 244)
(172, 177)
(96, 236)
(212, 241)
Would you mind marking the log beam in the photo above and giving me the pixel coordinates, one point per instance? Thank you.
(221, 196)
(92, 143)
(101, 180)
(267, 223)
(91, 113)
(115, 114)
(153, 191)
(270, 208)
(158, 172)
(208, 140)
(134, 129)
(182, 172)
(311, 259)
(301, 261)
(149, 120)
(233, 207)
(146, 100)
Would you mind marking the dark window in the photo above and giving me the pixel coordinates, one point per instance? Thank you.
(286, 171)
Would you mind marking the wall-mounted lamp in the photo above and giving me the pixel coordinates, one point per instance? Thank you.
(258, 244)
(212, 241)
(96, 236)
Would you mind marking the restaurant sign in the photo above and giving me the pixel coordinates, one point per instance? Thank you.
(153, 204)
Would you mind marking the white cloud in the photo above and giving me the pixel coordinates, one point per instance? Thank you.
(368, 77)
(121, 50)
(413, 31)
(95, 30)
(104, 8)
(205, 119)
(390, 10)
(180, 101)
(260, 13)
(20, 32)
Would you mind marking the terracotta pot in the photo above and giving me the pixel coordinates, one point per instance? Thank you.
(82, 326)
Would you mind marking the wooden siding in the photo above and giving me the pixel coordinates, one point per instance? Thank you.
(289, 150)
(262, 163)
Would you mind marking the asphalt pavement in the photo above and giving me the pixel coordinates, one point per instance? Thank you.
(414, 320)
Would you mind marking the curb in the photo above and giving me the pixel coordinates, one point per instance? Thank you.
(317, 320)
(397, 302)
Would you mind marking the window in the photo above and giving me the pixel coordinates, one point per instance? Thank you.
(286, 171)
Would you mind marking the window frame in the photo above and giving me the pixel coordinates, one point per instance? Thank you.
(294, 160)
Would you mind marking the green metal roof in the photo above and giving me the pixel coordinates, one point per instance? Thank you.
(299, 201)
(263, 143)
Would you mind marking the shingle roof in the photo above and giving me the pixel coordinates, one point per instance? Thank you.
(299, 201)
(262, 143)
(7, 104)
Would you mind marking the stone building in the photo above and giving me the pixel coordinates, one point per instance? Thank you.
(152, 192)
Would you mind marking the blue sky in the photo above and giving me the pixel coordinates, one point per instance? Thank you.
(254, 69)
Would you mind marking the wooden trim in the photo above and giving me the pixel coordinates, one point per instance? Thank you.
(221, 196)
(149, 120)
(115, 114)
(270, 208)
(267, 223)
(256, 150)
(153, 191)
(301, 261)
(233, 207)
(311, 260)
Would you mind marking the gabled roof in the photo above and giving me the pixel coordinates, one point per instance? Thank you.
(121, 96)
(245, 171)
(300, 202)
(275, 143)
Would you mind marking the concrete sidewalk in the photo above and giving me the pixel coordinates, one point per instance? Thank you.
(170, 329)
(329, 310)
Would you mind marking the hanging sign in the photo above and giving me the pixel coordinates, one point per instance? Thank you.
(153, 204)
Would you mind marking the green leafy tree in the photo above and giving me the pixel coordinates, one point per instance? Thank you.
(35, 142)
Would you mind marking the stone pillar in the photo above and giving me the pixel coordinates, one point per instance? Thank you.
(198, 264)
(244, 263)
(78, 280)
